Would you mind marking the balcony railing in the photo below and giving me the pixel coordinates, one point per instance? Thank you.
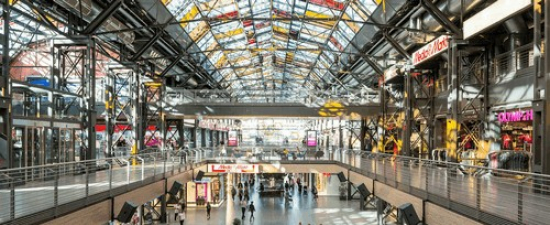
(490, 195)
(510, 62)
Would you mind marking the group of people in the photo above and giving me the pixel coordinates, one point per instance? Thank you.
(243, 190)
(295, 155)
(180, 213)
(244, 196)
(290, 187)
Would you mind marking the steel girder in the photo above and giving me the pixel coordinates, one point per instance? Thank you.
(440, 17)
(469, 76)
(102, 17)
(174, 133)
(369, 132)
(272, 19)
(391, 119)
(120, 107)
(419, 113)
(153, 113)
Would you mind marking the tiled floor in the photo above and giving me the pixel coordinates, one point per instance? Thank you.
(273, 210)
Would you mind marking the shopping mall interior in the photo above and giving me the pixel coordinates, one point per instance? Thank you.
(296, 111)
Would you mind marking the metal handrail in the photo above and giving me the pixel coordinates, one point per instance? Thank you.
(386, 168)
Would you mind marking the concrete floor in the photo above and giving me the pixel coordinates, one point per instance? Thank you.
(325, 210)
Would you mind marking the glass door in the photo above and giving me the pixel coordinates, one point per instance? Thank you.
(33, 150)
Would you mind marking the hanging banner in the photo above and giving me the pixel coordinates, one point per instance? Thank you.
(232, 139)
(233, 168)
(430, 50)
(311, 138)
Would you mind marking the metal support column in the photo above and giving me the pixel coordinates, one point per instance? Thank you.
(409, 117)
(89, 95)
(545, 154)
(137, 99)
(5, 99)
(539, 85)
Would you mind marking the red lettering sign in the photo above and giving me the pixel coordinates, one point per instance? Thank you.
(432, 49)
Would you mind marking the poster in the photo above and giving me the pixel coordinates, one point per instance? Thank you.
(311, 138)
(232, 139)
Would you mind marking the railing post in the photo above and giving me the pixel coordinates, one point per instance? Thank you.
(56, 189)
(395, 172)
(375, 161)
(110, 180)
(520, 203)
(87, 182)
(427, 181)
(128, 171)
(12, 199)
(154, 167)
(384, 171)
(142, 169)
(478, 196)
(164, 166)
(449, 184)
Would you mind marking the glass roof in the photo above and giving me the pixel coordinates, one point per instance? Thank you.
(272, 44)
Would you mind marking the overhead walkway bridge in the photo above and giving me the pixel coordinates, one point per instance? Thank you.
(441, 193)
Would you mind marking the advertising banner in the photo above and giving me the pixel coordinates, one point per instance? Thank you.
(233, 168)
(311, 138)
(232, 139)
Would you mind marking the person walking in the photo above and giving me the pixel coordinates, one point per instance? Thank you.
(208, 208)
(252, 210)
(286, 186)
(177, 209)
(182, 217)
(243, 207)
(233, 192)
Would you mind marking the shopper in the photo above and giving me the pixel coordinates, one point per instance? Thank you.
(252, 210)
(262, 188)
(177, 209)
(286, 186)
(208, 208)
(314, 192)
(182, 217)
(243, 207)
(233, 192)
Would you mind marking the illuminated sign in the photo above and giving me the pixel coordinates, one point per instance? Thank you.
(233, 168)
(311, 138)
(430, 50)
(515, 116)
(232, 139)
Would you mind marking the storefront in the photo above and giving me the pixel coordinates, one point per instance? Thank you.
(209, 189)
(516, 129)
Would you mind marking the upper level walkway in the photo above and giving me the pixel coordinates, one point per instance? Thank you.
(490, 196)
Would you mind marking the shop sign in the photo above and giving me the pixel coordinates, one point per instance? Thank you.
(311, 138)
(430, 50)
(232, 140)
(515, 116)
(233, 168)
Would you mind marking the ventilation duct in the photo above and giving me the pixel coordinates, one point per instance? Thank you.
(90, 11)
